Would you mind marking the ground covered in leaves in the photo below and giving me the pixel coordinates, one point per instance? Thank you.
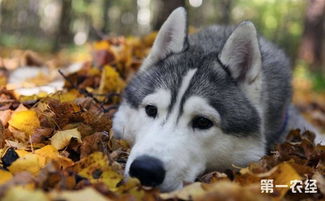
(59, 146)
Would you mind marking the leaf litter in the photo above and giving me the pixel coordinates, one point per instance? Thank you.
(59, 146)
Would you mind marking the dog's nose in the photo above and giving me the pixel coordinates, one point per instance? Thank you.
(149, 170)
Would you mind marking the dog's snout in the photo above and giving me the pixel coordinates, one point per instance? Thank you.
(149, 170)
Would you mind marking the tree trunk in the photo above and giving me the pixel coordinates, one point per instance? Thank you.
(63, 34)
(225, 11)
(166, 7)
(106, 6)
(312, 47)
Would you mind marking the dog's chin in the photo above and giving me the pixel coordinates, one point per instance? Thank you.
(164, 188)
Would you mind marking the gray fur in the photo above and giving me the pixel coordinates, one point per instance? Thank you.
(229, 75)
(239, 117)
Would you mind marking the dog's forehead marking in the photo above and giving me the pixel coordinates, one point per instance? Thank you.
(173, 116)
(161, 97)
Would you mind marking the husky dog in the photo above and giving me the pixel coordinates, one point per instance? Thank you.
(209, 101)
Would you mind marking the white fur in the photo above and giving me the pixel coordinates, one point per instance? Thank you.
(127, 119)
(170, 38)
(184, 151)
(185, 83)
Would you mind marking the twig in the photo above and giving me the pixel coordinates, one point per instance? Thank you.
(82, 91)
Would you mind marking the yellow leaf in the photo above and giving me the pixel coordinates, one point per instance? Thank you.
(3, 81)
(282, 176)
(34, 97)
(226, 190)
(26, 121)
(66, 96)
(186, 193)
(2, 152)
(101, 45)
(21, 152)
(110, 81)
(30, 162)
(96, 168)
(4, 176)
(111, 179)
(62, 138)
(19, 193)
(49, 153)
(85, 194)
(133, 187)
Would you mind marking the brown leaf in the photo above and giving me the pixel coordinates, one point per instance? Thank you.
(95, 142)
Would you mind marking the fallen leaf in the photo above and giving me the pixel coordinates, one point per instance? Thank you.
(26, 121)
(189, 192)
(15, 144)
(62, 138)
(21, 152)
(30, 163)
(95, 142)
(86, 194)
(110, 81)
(4, 176)
(19, 193)
(5, 116)
(50, 153)
(226, 190)
(21, 179)
(96, 168)
(41, 134)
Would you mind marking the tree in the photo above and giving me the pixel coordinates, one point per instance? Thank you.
(312, 47)
(105, 18)
(167, 6)
(225, 11)
(63, 34)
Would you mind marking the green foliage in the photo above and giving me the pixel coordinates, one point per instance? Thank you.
(25, 42)
(279, 21)
(318, 81)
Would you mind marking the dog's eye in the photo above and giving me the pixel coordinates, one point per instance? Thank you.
(201, 123)
(151, 111)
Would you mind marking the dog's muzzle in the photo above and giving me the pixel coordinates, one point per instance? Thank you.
(149, 170)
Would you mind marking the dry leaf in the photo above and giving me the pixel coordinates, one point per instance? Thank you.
(61, 139)
(96, 168)
(26, 121)
(19, 193)
(5, 116)
(4, 176)
(110, 81)
(49, 153)
(191, 191)
(30, 163)
(86, 194)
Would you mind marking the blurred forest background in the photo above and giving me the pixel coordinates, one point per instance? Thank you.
(297, 26)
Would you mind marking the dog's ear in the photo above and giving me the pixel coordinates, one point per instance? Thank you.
(170, 39)
(241, 53)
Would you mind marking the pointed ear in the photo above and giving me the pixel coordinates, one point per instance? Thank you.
(170, 39)
(241, 53)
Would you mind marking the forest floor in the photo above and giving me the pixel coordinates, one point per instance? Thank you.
(56, 141)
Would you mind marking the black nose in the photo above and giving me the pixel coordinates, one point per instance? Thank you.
(150, 171)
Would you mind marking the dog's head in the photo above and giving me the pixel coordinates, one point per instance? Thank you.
(194, 105)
